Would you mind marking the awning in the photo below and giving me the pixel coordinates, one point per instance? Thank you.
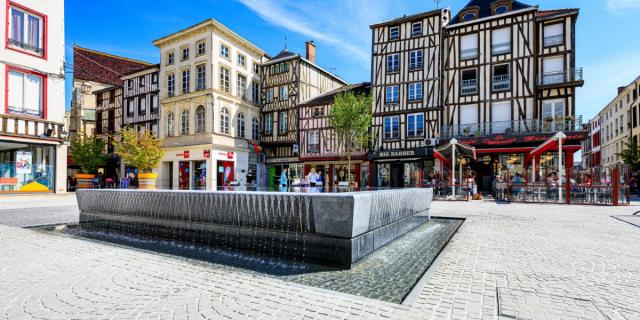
(549, 144)
(460, 148)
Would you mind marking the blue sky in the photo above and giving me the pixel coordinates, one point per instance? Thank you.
(607, 40)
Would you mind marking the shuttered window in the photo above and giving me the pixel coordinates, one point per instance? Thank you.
(25, 93)
(501, 41)
(553, 35)
(469, 47)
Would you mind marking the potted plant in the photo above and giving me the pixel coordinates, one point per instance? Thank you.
(142, 150)
(88, 153)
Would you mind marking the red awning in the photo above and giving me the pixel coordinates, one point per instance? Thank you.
(551, 143)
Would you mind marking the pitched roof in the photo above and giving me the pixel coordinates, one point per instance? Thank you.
(285, 53)
(91, 65)
(485, 8)
(329, 97)
(551, 13)
(406, 18)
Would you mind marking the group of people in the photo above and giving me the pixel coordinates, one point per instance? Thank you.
(312, 179)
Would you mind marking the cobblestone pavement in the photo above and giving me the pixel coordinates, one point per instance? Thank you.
(38, 210)
(507, 261)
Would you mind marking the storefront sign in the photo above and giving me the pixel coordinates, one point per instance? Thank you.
(503, 140)
(185, 154)
(410, 153)
(229, 155)
(207, 154)
(23, 162)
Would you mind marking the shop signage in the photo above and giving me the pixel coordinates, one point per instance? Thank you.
(207, 154)
(185, 154)
(503, 140)
(408, 153)
(229, 155)
(23, 162)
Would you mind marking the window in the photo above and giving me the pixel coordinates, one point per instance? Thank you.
(240, 126)
(553, 70)
(553, 115)
(255, 128)
(154, 78)
(224, 51)
(186, 81)
(242, 86)
(318, 112)
(170, 124)
(26, 31)
(468, 16)
(469, 119)
(500, 117)
(242, 60)
(200, 119)
(501, 41)
(416, 29)
(269, 95)
(255, 91)
(130, 107)
(185, 122)
(142, 105)
(393, 62)
(469, 47)
(129, 84)
(25, 92)
(142, 81)
(201, 48)
(391, 128)
(415, 125)
(185, 54)
(553, 35)
(313, 141)
(283, 93)
(415, 60)
(392, 94)
(201, 77)
(154, 103)
(224, 120)
(154, 129)
(415, 91)
(268, 123)
(224, 80)
(394, 33)
(502, 9)
(170, 58)
(256, 68)
(501, 77)
(282, 122)
(469, 82)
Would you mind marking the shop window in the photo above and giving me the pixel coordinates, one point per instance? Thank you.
(26, 168)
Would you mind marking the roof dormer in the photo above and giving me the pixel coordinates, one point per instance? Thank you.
(501, 7)
(469, 13)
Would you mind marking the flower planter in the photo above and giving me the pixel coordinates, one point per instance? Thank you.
(85, 180)
(147, 181)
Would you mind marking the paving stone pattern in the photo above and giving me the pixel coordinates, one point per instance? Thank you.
(505, 262)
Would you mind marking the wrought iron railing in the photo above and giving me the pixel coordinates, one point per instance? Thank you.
(501, 82)
(519, 127)
(25, 46)
(556, 77)
(553, 40)
(469, 86)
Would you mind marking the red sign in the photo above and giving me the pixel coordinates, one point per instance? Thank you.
(229, 155)
(207, 153)
(185, 154)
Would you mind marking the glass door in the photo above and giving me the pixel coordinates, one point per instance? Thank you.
(553, 115)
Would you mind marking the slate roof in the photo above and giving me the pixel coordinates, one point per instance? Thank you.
(329, 97)
(285, 53)
(485, 8)
(91, 65)
(405, 18)
(551, 13)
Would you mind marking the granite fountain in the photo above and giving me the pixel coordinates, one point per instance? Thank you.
(333, 229)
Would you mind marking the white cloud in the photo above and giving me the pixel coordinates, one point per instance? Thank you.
(342, 25)
(620, 6)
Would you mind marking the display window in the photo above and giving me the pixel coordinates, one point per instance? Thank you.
(26, 167)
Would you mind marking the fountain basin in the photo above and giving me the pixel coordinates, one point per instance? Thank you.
(335, 229)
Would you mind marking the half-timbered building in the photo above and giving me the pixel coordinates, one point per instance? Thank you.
(287, 80)
(406, 85)
(108, 124)
(320, 151)
(140, 100)
(509, 84)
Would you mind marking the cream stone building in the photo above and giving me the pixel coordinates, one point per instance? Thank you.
(209, 107)
(33, 147)
(617, 124)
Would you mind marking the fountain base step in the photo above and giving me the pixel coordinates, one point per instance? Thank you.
(324, 250)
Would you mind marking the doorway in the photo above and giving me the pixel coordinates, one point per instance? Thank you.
(183, 175)
(225, 173)
(397, 175)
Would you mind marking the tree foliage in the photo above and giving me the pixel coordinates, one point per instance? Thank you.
(88, 153)
(631, 155)
(350, 118)
(140, 149)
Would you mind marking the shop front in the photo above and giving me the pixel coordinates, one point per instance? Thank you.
(402, 168)
(287, 172)
(27, 167)
(338, 174)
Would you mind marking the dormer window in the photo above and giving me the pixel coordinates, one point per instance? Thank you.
(394, 33)
(502, 9)
(469, 16)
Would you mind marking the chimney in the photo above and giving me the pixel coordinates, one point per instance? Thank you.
(311, 51)
(620, 89)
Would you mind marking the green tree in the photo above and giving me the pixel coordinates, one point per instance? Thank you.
(140, 149)
(350, 118)
(88, 153)
(631, 155)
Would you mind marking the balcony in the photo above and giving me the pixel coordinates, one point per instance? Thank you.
(519, 127)
(570, 77)
(26, 46)
(501, 82)
(27, 127)
(469, 87)
(553, 41)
